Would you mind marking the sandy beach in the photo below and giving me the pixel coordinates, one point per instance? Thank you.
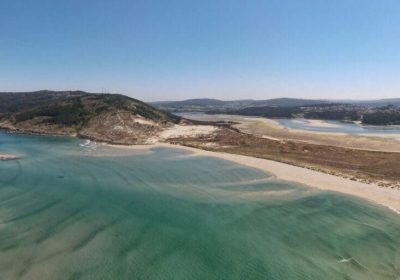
(321, 123)
(387, 197)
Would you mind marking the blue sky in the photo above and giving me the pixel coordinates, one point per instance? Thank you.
(176, 49)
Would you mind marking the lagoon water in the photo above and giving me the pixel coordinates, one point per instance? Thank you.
(351, 128)
(341, 127)
(70, 209)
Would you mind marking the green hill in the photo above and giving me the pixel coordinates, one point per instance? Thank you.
(111, 118)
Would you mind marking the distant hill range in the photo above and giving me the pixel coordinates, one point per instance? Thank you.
(215, 104)
(375, 112)
(111, 118)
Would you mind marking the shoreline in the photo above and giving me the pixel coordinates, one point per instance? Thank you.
(389, 198)
(271, 129)
(312, 123)
(367, 141)
(320, 124)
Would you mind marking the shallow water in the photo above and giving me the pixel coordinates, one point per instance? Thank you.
(70, 209)
(304, 124)
(341, 127)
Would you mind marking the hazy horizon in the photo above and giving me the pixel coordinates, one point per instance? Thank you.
(228, 50)
(174, 100)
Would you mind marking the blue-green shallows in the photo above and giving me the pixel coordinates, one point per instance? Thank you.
(72, 210)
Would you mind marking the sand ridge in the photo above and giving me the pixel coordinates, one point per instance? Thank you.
(321, 123)
(387, 197)
(6, 157)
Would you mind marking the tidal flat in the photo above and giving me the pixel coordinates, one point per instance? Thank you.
(71, 209)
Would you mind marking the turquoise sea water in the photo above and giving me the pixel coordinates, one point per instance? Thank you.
(72, 210)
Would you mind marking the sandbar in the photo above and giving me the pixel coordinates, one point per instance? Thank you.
(387, 197)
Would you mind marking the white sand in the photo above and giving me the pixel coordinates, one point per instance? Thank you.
(187, 130)
(5, 157)
(384, 196)
(321, 123)
(182, 131)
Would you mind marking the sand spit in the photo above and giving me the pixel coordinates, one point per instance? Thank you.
(271, 129)
(321, 123)
(384, 196)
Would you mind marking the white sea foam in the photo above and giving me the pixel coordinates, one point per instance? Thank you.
(394, 209)
(87, 142)
(89, 145)
(344, 260)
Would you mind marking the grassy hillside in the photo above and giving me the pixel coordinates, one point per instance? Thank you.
(107, 117)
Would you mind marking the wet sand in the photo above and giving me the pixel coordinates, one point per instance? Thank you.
(271, 129)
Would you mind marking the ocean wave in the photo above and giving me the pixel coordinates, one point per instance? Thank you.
(89, 145)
